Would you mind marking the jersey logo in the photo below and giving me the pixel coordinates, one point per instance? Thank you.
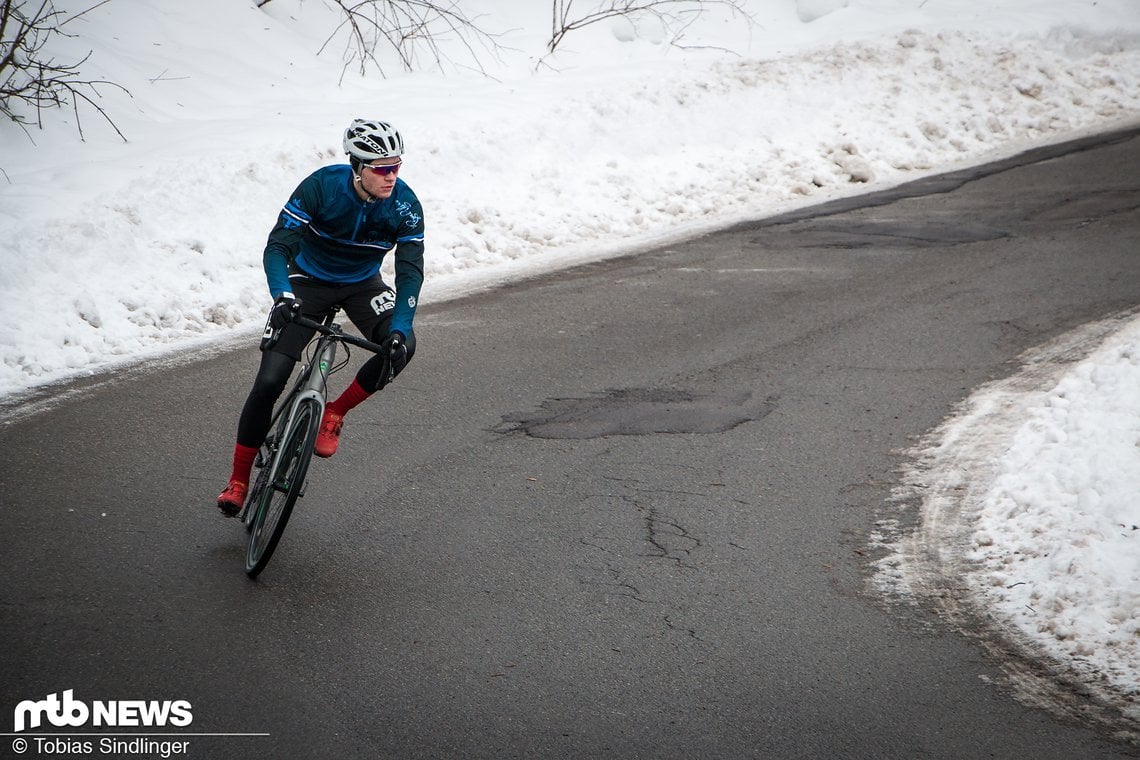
(293, 215)
(410, 217)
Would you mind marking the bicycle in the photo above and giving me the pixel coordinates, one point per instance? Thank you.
(283, 460)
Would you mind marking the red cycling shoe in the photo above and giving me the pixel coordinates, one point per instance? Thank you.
(231, 500)
(329, 436)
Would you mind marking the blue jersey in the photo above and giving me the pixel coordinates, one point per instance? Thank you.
(328, 232)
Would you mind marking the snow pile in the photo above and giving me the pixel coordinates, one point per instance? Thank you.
(1058, 536)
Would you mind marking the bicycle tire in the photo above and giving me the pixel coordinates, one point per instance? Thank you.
(283, 485)
(264, 459)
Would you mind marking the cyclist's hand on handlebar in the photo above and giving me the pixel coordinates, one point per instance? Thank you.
(397, 351)
(285, 308)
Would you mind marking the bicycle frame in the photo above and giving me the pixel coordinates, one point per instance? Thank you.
(311, 383)
(313, 380)
(284, 457)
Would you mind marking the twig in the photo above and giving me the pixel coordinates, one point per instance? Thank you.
(404, 27)
(29, 79)
(563, 21)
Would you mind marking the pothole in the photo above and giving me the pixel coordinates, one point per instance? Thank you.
(637, 411)
(858, 234)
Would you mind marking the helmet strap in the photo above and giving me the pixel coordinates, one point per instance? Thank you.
(356, 165)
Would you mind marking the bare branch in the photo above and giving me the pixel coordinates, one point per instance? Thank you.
(669, 12)
(30, 79)
(406, 28)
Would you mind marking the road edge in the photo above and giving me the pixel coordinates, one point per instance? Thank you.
(923, 536)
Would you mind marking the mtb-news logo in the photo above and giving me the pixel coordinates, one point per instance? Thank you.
(69, 712)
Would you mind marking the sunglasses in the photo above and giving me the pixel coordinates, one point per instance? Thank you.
(384, 170)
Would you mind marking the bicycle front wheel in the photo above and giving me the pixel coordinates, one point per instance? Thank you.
(286, 478)
(262, 465)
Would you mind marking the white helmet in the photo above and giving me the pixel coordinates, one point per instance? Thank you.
(367, 140)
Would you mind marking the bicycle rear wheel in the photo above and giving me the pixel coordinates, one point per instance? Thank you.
(285, 480)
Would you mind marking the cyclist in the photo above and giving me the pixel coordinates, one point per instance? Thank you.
(325, 251)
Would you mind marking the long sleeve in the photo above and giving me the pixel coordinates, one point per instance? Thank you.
(285, 237)
(409, 268)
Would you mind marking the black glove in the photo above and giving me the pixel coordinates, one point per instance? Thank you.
(397, 352)
(285, 308)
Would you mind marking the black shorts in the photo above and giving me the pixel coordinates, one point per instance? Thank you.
(368, 304)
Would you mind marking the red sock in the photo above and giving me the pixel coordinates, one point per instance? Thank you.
(243, 462)
(353, 395)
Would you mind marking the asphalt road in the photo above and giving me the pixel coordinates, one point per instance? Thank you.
(619, 511)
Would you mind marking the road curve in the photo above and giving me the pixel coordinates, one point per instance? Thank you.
(619, 511)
